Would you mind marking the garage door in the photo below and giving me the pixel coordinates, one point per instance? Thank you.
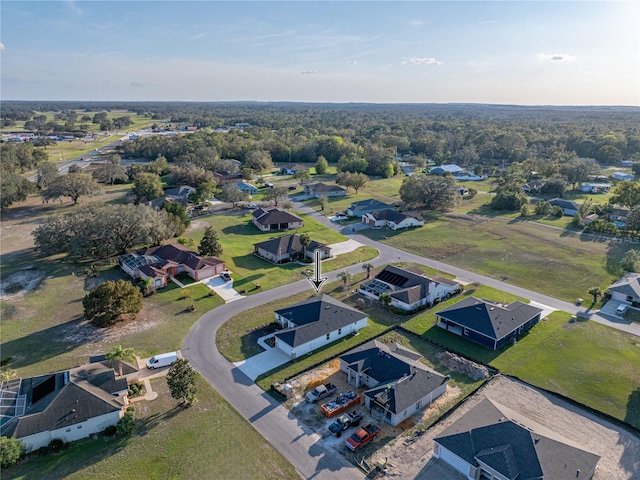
(455, 461)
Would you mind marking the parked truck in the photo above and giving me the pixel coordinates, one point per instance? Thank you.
(320, 392)
(340, 403)
(345, 421)
(361, 437)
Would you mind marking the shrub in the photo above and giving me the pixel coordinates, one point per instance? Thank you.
(11, 450)
(191, 308)
(111, 430)
(127, 424)
(56, 445)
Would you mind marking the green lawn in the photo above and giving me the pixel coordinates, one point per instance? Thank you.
(208, 440)
(556, 262)
(585, 361)
(237, 235)
(44, 331)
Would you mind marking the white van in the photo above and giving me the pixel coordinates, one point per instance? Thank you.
(162, 360)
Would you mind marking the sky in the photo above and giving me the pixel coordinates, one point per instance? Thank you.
(499, 52)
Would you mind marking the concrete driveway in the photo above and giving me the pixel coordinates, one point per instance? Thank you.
(345, 247)
(254, 366)
(224, 289)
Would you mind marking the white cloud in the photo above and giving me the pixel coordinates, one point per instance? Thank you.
(556, 57)
(417, 23)
(421, 61)
(311, 72)
(74, 8)
(352, 62)
(487, 22)
(1, 46)
(199, 35)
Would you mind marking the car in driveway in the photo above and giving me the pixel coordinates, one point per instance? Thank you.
(622, 309)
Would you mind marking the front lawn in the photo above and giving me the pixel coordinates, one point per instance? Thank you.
(208, 440)
(588, 362)
(238, 235)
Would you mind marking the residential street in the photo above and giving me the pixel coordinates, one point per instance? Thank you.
(273, 420)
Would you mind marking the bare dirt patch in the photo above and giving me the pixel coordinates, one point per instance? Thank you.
(84, 332)
(196, 225)
(17, 284)
(619, 449)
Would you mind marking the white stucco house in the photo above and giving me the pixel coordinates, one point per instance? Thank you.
(68, 405)
(623, 177)
(400, 385)
(314, 323)
(409, 288)
(392, 219)
(627, 289)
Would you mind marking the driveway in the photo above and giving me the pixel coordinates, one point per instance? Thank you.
(223, 289)
(255, 366)
(345, 247)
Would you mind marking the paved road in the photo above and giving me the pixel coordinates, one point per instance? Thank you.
(273, 421)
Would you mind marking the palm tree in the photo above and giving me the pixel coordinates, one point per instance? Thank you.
(345, 277)
(596, 292)
(120, 355)
(305, 240)
(368, 267)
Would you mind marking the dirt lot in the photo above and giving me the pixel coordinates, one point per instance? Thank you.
(313, 418)
(619, 450)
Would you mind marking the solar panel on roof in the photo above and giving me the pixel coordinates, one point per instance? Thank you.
(392, 278)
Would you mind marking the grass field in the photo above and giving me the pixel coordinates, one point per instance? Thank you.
(45, 331)
(137, 121)
(553, 261)
(208, 440)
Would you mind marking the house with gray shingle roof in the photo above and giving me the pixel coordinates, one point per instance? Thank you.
(627, 289)
(69, 405)
(488, 323)
(400, 385)
(323, 190)
(271, 219)
(392, 219)
(568, 208)
(409, 288)
(314, 323)
(357, 209)
(286, 248)
(492, 441)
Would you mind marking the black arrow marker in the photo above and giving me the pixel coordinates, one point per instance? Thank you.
(317, 281)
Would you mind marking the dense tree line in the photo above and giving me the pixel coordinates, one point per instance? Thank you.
(365, 138)
(101, 231)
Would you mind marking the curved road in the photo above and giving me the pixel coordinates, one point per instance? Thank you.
(294, 440)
